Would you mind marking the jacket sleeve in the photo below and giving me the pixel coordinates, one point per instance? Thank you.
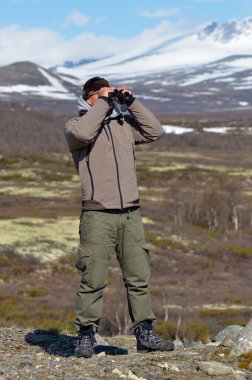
(145, 126)
(81, 131)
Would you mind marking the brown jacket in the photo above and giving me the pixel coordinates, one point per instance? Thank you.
(104, 153)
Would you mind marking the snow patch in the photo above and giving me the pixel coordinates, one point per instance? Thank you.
(176, 130)
(243, 104)
(221, 130)
(45, 91)
(156, 98)
(244, 87)
(54, 81)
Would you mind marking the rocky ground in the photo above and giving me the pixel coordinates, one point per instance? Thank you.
(40, 354)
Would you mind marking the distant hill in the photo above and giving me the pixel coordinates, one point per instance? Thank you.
(216, 90)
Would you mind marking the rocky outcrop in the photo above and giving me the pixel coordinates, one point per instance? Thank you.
(243, 342)
(40, 354)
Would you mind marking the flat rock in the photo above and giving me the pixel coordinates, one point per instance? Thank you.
(227, 342)
(215, 369)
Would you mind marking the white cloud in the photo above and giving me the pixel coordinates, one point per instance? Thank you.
(48, 48)
(77, 18)
(159, 13)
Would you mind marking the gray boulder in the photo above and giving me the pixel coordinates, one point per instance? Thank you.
(230, 332)
(244, 341)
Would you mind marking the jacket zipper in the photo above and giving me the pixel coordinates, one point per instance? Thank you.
(117, 168)
(90, 173)
(134, 157)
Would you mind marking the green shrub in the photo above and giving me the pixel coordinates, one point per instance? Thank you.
(231, 300)
(20, 311)
(197, 331)
(235, 249)
(166, 330)
(34, 292)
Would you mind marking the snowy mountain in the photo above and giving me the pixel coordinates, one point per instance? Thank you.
(205, 72)
(28, 78)
(36, 87)
(227, 33)
(182, 50)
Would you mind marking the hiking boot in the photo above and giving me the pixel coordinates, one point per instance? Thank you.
(147, 340)
(85, 342)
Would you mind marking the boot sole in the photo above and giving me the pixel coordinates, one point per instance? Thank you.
(145, 350)
(82, 355)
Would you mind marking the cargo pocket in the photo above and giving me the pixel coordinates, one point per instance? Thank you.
(83, 256)
(147, 256)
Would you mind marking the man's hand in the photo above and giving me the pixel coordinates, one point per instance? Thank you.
(126, 99)
(104, 91)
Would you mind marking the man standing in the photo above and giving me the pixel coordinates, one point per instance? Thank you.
(102, 142)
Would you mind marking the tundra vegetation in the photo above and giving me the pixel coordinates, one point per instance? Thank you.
(196, 192)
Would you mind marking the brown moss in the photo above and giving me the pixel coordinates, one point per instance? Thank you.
(245, 360)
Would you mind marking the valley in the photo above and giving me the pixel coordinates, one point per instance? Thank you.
(196, 201)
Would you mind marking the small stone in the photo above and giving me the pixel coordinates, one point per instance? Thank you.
(100, 340)
(132, 376)
(215, 369)
(26, 364)
(193, 345)
(212, 346)
(174, 368)
(239, 376)
(178, 343)
(189, 353)
(139, 373)
(227, 342)
(101, 354)
(116, 371)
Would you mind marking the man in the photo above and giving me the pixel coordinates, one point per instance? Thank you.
(102, 142)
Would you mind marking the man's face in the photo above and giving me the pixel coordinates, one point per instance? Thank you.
(93, 98)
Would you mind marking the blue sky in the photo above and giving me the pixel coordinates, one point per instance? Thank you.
(49, 31)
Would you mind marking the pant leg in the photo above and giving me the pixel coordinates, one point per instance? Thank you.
(133, 256)
(97, 242)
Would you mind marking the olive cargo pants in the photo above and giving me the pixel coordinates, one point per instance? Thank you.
(101, 234)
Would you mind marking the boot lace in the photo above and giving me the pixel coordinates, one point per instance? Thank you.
(86, 340)
(147, 334)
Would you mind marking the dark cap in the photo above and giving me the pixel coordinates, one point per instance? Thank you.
(93, 85)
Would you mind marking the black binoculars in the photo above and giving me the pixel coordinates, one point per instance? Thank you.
(123, 98)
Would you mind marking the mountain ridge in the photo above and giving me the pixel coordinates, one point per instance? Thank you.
(179, 50)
